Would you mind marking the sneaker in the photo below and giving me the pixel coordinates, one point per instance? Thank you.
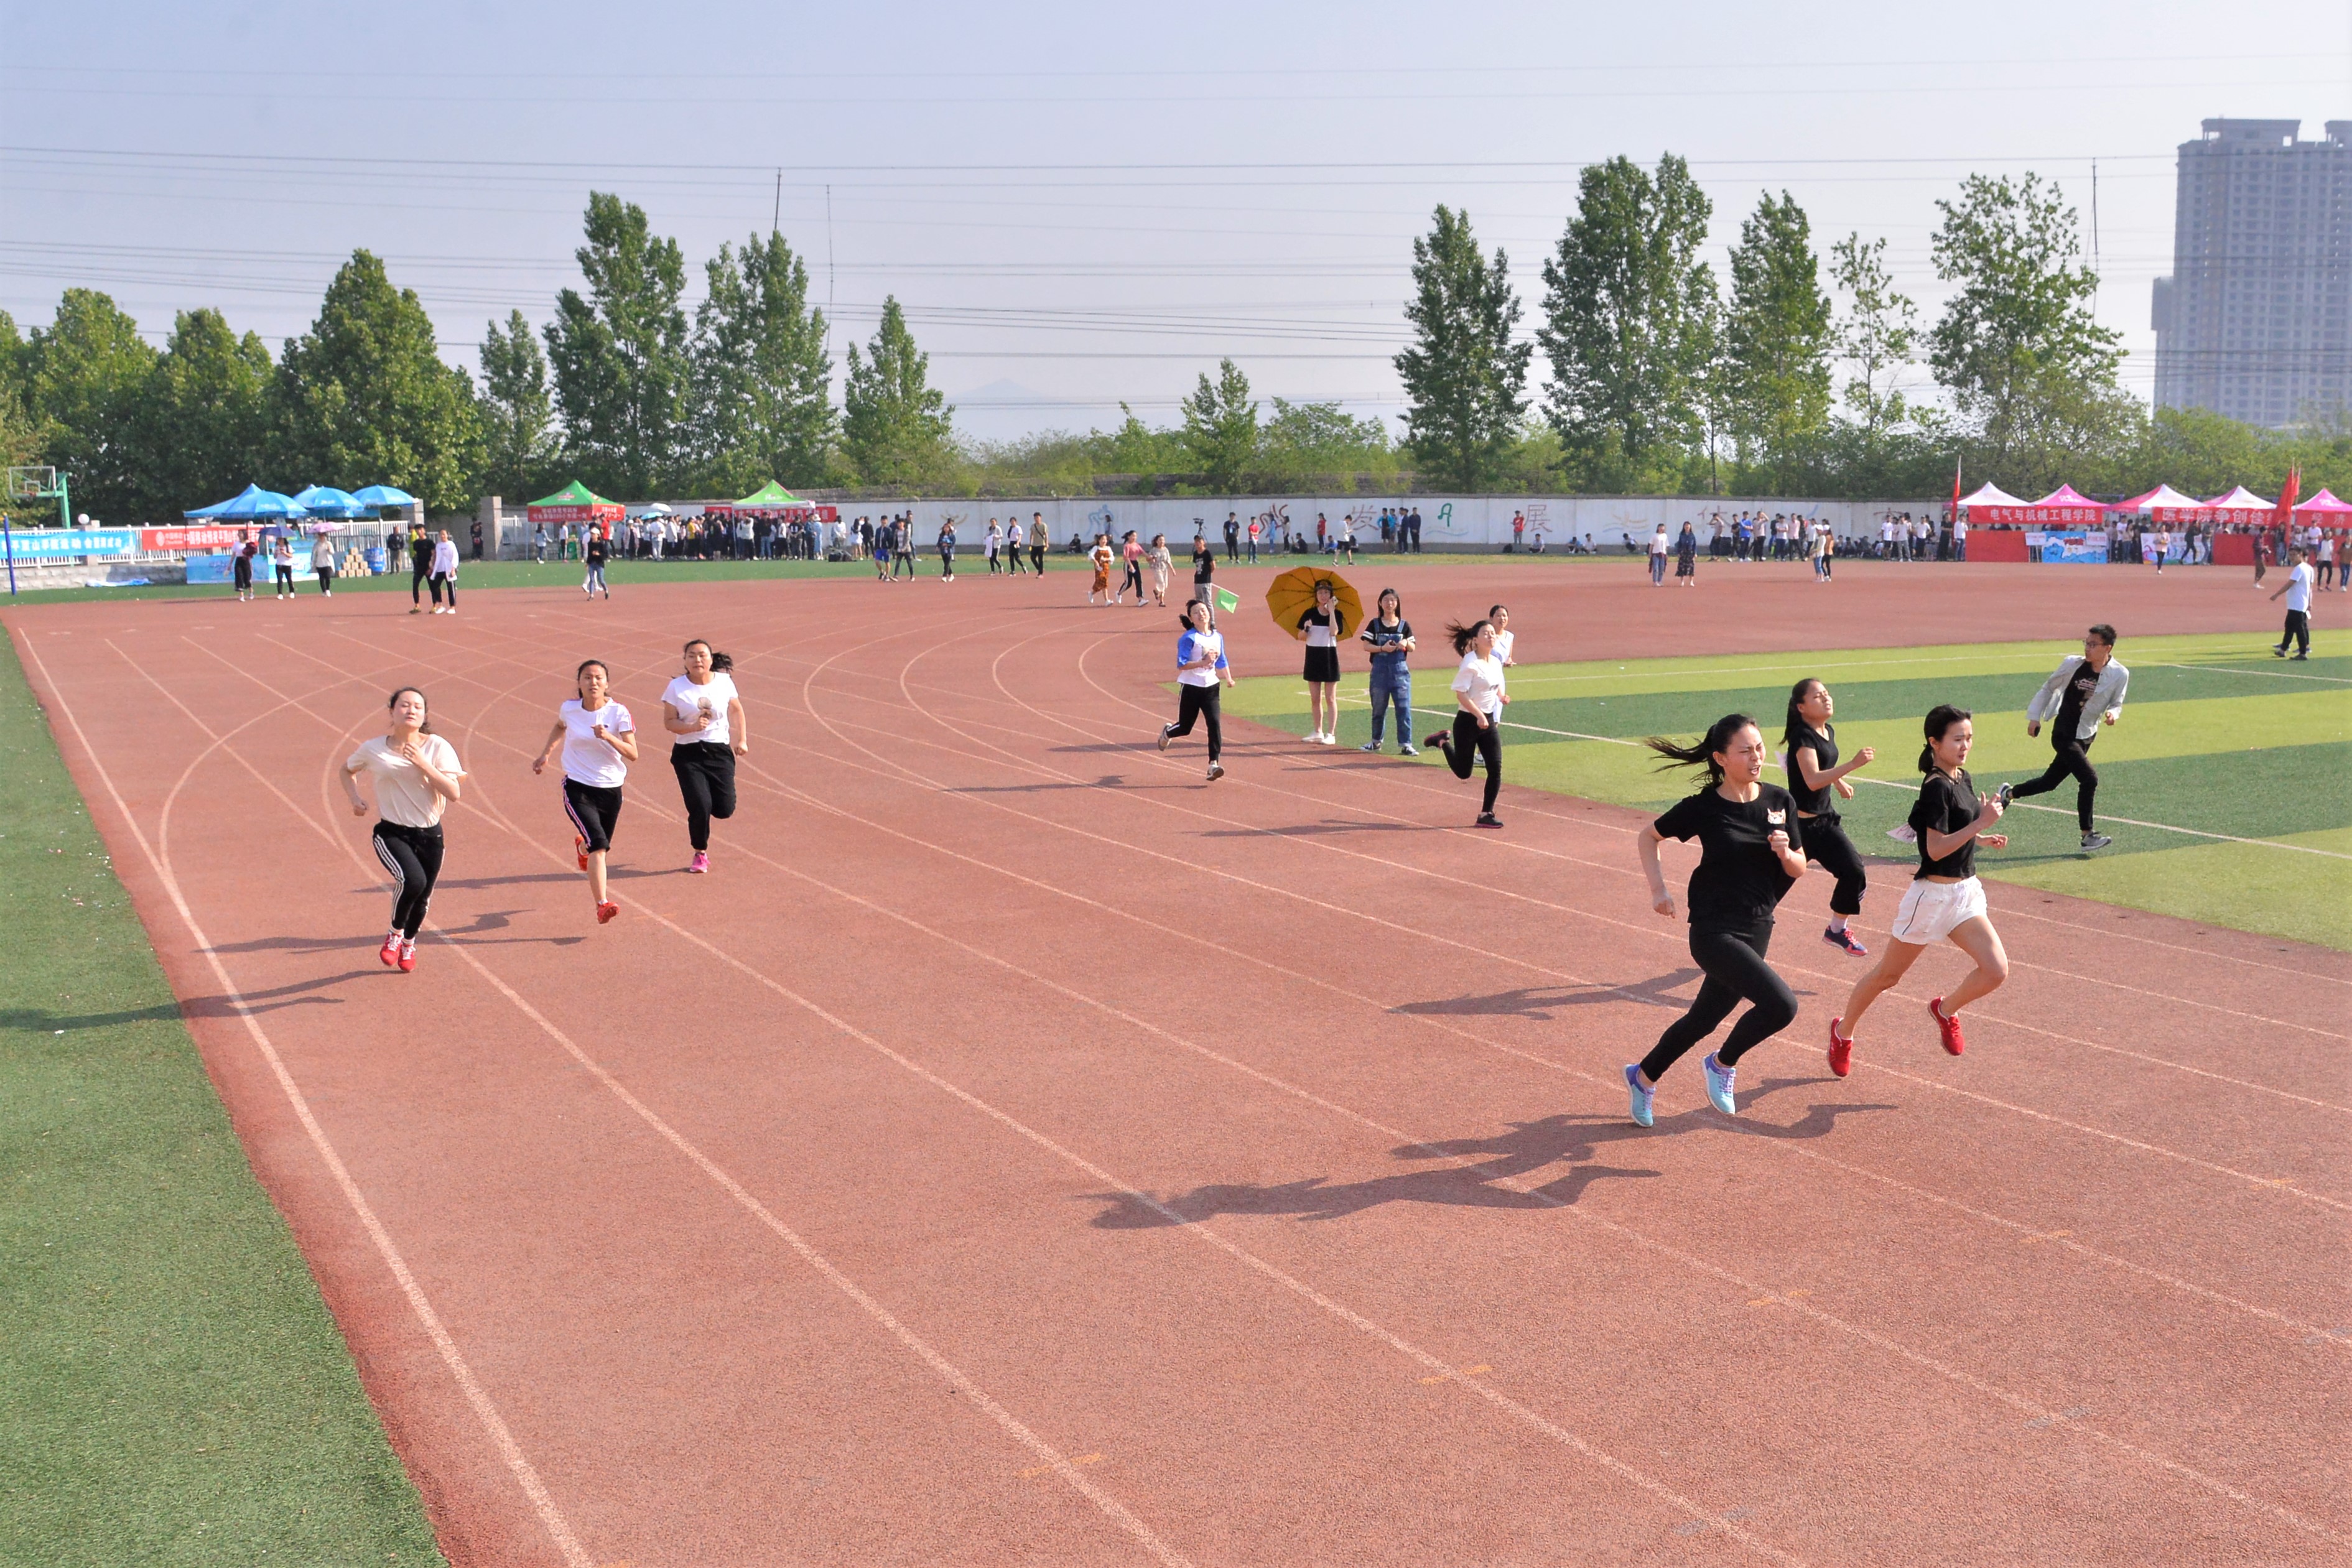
(1640, 1093)
(390, 952)
(701, 863)
(2008, 793)
(1369, 746)
(407, 956)
(2299, 658)
(579, 849)
(1843, 941)
(1216, 771)
(1167, 734)
(2097, 841)
(1950, 1027)
(1488, 820)
(1405, 749)
(1718, 1084)
(415, 610)
(604, 913)
(2279, 652)
(1841, 1050)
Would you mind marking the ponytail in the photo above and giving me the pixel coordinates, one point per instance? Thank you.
(1462, 637)
(720, 663)
(1701, 753)
(1796, 722)
(1940, 719)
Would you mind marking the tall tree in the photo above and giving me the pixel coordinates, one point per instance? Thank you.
(896, 428)
(1627, 303)
(2017, 346)
(363, 397)
(762, 380)
(204, 426)
(620, 353)
(1876, 335)
(1464, 379)
(1776, 338)
(517, 412)
(85, 379)
(1308, 445)
(20, 435)
(1221, 433)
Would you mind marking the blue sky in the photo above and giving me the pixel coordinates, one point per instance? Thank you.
(1080, 205)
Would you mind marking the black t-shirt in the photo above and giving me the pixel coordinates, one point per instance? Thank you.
(1204, 566)
(1388, 641)
(1823, 743)
(2079, 688)
(420, 553)
(1739, 881)
(1946, 805)
(595, 549)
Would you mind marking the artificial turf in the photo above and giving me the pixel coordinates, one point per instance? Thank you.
(172, 1388)
(2217, 742)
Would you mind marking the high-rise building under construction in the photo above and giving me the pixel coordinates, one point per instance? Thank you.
(2255, 321)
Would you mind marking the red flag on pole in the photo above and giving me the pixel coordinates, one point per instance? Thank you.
(2287, 498)
(1956, 489)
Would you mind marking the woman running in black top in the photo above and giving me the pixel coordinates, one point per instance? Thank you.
(1812, 755)
(1945, 899)
(1751, 851)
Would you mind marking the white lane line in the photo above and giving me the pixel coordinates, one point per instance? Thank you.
(485, 1410)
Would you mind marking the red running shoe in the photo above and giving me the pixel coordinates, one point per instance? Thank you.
(1950, 1026)
(1841, 1050)
(579, 848)
(407, 956)
(389, 953)
(604, 913)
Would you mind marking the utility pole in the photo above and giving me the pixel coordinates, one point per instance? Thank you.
(776, 219)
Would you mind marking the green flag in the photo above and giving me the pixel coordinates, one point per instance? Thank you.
(1227, 601)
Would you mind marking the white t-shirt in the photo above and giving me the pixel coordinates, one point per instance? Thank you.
(2298, 587)
(1658, 542)
(684, 698)
(402, 795)
(445, 559)
(587, 759)
(1502, 641)
(1194, 645)
(1481, 680)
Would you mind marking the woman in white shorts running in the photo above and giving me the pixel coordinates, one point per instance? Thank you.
(1945, 899)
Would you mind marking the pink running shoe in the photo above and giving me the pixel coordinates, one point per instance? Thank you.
(700, 863)
(1841, 1050)
(1950, 1026)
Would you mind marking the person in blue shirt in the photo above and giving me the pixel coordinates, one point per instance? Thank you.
(1199, 665)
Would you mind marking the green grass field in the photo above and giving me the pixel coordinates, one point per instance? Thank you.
(2227, 786)
(172, 1388)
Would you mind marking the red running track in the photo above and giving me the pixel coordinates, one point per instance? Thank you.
(1018, 1151)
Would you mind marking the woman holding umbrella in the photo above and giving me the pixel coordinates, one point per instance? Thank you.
(1320, 626)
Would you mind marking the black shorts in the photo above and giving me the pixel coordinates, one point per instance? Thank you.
(594, 809)
(1323, 666)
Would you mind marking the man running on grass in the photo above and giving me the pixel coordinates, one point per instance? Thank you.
(2086, 690)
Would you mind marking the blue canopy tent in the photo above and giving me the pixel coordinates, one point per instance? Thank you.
(253, 504)
(383, 496)
(326, 501)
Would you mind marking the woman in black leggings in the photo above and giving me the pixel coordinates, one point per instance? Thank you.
(1812, 755)
(416, 776)
(704, 714)
(1751, 851)
(1478, 735)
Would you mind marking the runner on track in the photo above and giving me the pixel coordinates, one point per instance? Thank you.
(1479, 694)
(1200, 665)
(704, 716)
(595, 551)
(1389, 636)
(445, 575)
(1945, 899)
(417, 775)
(599, 742)
(1161, 566)
(1751, 851)
(1810, 755)
(1320, 629)
(2086, 689)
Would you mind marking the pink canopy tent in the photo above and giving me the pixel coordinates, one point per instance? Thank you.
(2166, 504)
(2325, 510)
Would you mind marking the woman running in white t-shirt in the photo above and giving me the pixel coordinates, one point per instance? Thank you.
(1479, 693)
(417, 775)
(599, 741)
(704, 716)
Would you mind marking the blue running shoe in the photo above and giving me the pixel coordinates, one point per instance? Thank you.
(1641, 1091)
(1718, 1085)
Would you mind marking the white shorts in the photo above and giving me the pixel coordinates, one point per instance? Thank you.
(1930, 910)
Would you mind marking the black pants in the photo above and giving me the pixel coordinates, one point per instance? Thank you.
(706, 777)
(285, 579)
(242, 573)
(416, 577)
(905, 558)
(1198, 701)
(1134, 580)
(440, 582)
(595, 811)
(1825, 841)
(2069, 758)
(1474, 742)
(2298, 631)
(326, 579)
(1733, 963)
(413, 855)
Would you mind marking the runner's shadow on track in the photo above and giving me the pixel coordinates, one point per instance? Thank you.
(1535, 1001)
(1529, 1147)
(487, 920)
(43, 1022)
(1818, 1122)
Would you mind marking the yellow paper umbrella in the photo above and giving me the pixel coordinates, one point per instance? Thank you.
(1292, 595)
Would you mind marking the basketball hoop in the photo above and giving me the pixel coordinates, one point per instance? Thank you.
(32, 483)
